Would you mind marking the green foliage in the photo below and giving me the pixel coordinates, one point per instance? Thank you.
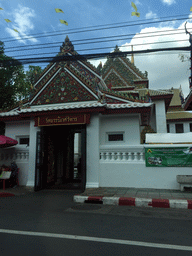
(147, 129)
(13, 86)
(33, 74)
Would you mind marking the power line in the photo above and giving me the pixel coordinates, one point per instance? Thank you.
(104, 28)
(74, 29)
(118, 37)
(109, 47)
(86, 56)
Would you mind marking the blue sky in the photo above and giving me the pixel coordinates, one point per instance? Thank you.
(36, 18)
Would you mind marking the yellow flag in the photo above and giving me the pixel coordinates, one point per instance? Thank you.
(134, 6)
(191, 9)
(1, 8)
(135, 14)
(7, 20)
(58, 10)
(64, 22)
(16, 30)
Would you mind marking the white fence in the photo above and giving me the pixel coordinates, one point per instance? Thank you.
(125, 154)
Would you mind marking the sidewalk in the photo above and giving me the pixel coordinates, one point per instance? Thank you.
(162, 198)
(16, 191)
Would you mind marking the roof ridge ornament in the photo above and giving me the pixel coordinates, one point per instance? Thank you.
(67, 47)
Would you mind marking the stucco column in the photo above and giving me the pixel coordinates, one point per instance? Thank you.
(32, 153)
(161, 124)
(92, 177)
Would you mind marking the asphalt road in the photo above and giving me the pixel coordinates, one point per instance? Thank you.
(50, 223)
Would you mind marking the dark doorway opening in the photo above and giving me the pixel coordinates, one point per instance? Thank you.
(61, 158)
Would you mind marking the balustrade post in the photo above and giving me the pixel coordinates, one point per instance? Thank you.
(102, 156)
(129, 156)
(124, 156)
(118, 156)
(141, 156)
(135, 156)
(113, 156)
(107, 156)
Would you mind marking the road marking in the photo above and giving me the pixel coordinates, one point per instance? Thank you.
(98, 239)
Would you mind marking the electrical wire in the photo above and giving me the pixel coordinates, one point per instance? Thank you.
(119, 37)
(97, 29)
(86, 56)
(74, 29)
(109, 47)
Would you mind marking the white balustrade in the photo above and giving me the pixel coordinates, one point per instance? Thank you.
(22, 156)
(125, 155)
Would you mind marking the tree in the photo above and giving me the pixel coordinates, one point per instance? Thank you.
(13, 86)
(33, 74)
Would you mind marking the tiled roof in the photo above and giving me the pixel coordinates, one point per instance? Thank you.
(131, 105)
(81, 105)
(9, 113)
(159, 92)
(178, 115)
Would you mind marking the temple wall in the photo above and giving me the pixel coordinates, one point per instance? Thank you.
(17, 128)
(128, 125)
(125, 167)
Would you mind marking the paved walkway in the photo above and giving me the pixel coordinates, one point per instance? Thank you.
(18, 190)
(124, 196)
(137, 197)
(138, 192)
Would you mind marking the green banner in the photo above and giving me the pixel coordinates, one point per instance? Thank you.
(163, 157)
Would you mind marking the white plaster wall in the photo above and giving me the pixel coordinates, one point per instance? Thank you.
(128, 124)
(160, 116)
(92, 177)
(32, 153)
(137, 175)
(15, 128)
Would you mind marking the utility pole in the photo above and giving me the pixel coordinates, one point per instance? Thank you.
(190, 41)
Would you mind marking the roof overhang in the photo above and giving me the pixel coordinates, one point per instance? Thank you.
(166, 97)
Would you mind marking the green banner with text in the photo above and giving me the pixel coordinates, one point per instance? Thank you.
(163, 157)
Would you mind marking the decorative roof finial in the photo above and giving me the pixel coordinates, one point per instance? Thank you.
(67, 47)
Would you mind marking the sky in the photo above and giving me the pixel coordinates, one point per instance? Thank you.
(97, 27)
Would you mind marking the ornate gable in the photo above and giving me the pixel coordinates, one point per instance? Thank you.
(78, 81)
(127, 73)
(62, 89)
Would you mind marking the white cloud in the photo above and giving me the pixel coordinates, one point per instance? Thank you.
(169, 2)
(165, 70)
(151, 15)
(22, 21)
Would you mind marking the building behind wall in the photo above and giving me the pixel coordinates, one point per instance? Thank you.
(106, 108)
(179, 116)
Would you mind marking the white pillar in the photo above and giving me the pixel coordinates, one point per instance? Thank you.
(93, 152)
(172, 127)
(161, 124)
(32, 153)
(186, 127)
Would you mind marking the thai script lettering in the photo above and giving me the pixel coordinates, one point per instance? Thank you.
(61, 120)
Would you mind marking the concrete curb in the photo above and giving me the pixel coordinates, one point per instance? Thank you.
(138, 202)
